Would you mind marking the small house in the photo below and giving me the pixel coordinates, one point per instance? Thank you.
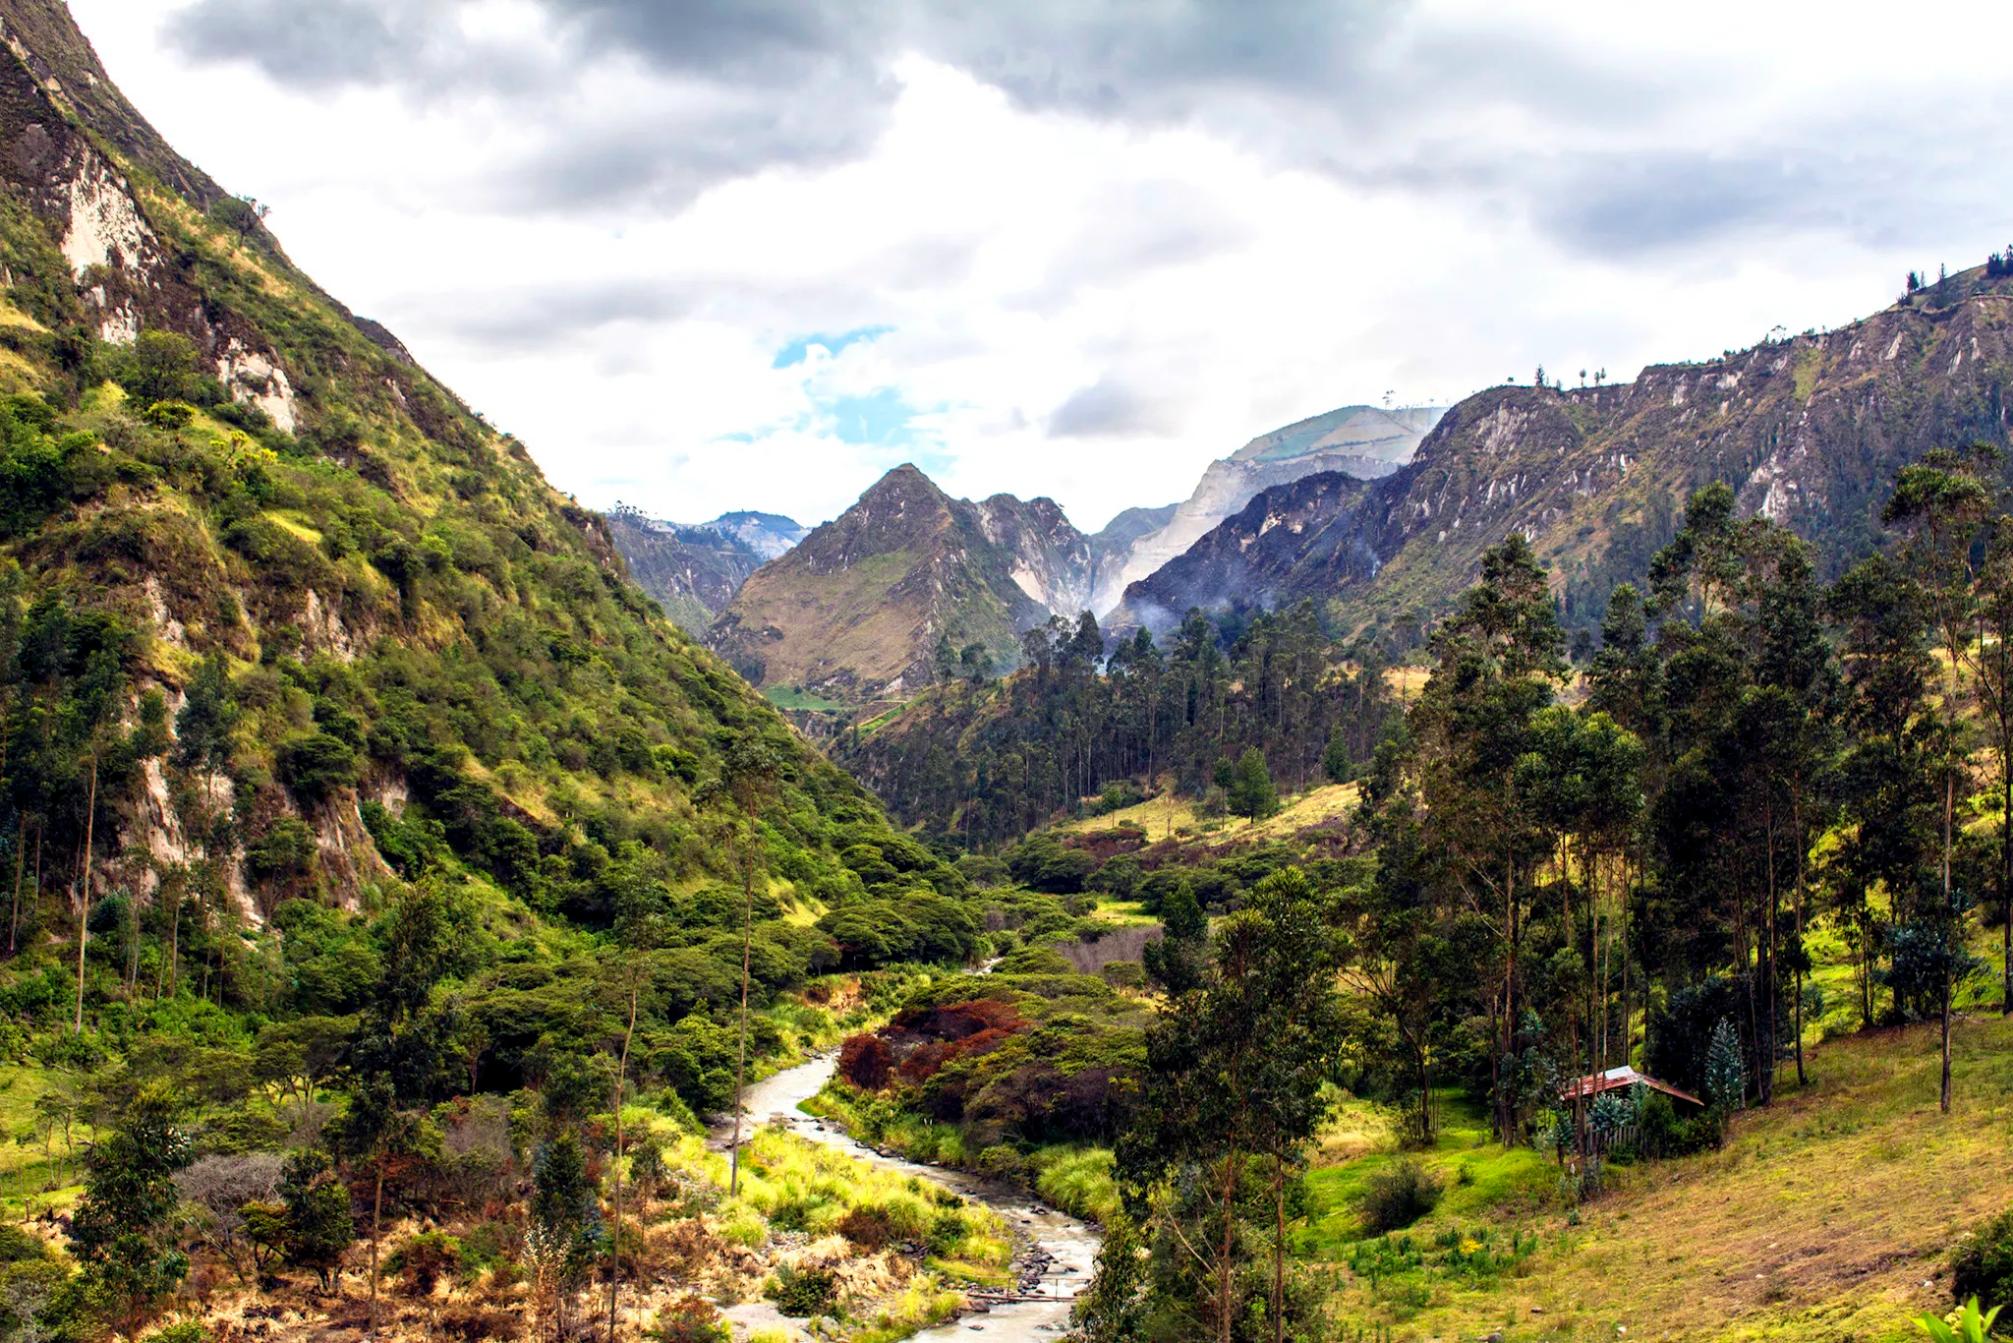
(1621, 1079)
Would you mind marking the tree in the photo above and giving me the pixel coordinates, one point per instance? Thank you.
(123, 1232)
(1725, 1074)
(1937, 507)
(1336, 763)
(1250, 792)
(318, 1226)
(1175, 961)
(1497, 660)
(564, 1238)
(1234, 1075)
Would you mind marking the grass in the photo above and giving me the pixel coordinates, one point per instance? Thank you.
(1122, 913)
(1826, 1216)
(1076, 1179)
(27, 1176)
(1167, 814)
(791, 697)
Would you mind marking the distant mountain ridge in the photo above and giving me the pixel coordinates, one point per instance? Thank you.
(1808, 430)
(694, 569)
(858, 608)
(1362, 441)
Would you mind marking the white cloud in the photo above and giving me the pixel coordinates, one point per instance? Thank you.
(599, 253)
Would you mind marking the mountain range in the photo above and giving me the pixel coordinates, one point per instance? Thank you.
(1361, 441)
(694, 569)
(858, 611)
(859, 607)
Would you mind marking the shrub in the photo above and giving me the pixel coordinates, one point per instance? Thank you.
(803, 1292)
(424, 1260)
(947, 1232)
(868, 1227)
(1983, 1264)
(689, 1319)
(1398, 1196)
(182, 1331)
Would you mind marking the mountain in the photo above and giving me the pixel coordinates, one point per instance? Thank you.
(694, 569)
(767, 534)
(1808, 430)
(294, 619)
(857, 609)
(1363, 441)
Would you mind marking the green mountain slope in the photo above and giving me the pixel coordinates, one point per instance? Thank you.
(281, 620)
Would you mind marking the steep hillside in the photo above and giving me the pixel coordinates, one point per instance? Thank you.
(860, 607)
(274, 601)
(1362, 441)
(1808, 430)
(693, 570)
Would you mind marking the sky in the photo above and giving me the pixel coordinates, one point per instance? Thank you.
(704, 255)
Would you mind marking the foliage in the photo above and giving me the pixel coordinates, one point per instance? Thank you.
(1398, 1196)
(806, 1291)
(1982, 1266)
(122, 1233)
(1966, 1324)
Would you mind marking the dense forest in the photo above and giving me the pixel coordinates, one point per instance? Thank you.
(1638, 863)
(986, 762)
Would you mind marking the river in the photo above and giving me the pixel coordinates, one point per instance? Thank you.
(1057, 1251)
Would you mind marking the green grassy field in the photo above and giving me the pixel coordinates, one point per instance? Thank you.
(1827, 1216)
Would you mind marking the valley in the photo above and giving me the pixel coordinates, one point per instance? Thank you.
(1534, 868)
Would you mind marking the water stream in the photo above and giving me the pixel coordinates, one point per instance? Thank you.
(1058, 1251)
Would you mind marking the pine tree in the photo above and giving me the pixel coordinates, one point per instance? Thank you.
(1725, 1072)
(1250, 791)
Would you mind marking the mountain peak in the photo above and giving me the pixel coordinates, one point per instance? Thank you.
(858, 608)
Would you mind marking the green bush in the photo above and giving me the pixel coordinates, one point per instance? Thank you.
(1398, 1196)
(182, 1331)
(804, 1292)
(1983, 1264)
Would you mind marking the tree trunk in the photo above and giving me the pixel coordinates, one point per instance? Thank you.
(1278, 1247)
(1943, 1099)
(741, 1051)
(376, 1219)
(1949, 812)
(615, 1172)
(84, 907)
(20, 868)
(1226, 1275)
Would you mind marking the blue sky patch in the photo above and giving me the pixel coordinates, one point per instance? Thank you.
(880, 418)
(798, 350)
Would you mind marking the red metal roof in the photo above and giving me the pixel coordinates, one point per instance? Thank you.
(1620, 1079)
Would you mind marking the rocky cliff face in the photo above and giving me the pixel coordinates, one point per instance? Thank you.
(858, 608)
(1362, 441)
(1808, 431)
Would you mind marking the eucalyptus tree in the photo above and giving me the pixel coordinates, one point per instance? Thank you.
(1497, 663)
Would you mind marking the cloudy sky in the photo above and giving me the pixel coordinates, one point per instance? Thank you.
(705, 255)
